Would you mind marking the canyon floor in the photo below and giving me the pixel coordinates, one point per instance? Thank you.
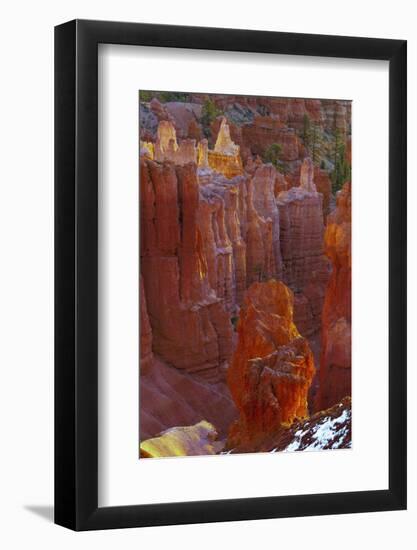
(245, 285)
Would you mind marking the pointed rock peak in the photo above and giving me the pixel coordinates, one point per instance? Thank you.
(224, 143)
(167, 136)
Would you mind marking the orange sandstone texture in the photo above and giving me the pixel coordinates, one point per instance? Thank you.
(335, 364)
(305, 266)
(225, 158)
(191, 328)
(272, 366)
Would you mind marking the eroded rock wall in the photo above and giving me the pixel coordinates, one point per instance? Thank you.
(191, 328)
(305, 267)
(335, 364)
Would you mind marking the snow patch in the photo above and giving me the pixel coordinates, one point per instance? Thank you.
(322, 435)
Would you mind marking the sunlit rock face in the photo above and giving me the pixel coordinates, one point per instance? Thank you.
(272, 366)
(327, 429)
(335, 365)
(224, 143)
(305, 267)
(228, 165)
(200, 439)
(202, 154)
(234, 130)
(225, 158)
(191, 327)
(147, 149)
(167, 148)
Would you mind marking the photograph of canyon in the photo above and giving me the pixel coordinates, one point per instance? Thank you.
(245, 274)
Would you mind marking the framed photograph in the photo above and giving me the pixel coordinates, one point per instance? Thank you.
(230, 252)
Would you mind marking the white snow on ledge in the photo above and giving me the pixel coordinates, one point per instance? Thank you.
(327, 430)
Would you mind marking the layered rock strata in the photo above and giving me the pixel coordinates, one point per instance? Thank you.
(305, 267)
(191, 328)
(272, 366)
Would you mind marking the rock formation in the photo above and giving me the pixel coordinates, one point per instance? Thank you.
(307, 176)
(335, 364)
(328, 429)
(191, 328)
(272, 366)
(200, 439)
(225, 158)
(258, 137)
(305, 267)
(228, 240)
(167, 148)
(185, 119)
(324, 186)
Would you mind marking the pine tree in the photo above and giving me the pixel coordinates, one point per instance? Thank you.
(342, 170)
(313, 140)
(209, 113)
(273, 155)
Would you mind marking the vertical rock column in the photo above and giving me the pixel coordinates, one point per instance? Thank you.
(191, 328)
(305, 267)
(335, 364)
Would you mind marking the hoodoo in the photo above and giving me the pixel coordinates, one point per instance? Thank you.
(335, 364)
(272, 366)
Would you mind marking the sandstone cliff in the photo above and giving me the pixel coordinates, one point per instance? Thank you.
(335, 364)
(305, 267)
(191, 328)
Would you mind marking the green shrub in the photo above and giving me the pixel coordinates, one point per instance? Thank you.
(273, 155)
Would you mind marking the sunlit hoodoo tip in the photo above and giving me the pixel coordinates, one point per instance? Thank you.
(225, 158)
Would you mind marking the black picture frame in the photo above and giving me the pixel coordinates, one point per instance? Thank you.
(76, 272)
